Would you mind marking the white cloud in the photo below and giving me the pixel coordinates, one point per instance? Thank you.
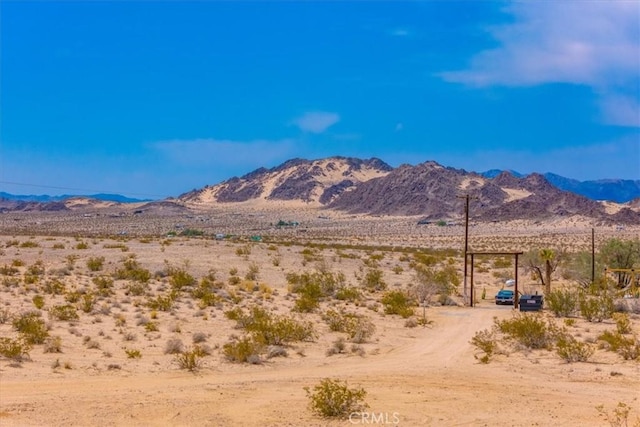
(226, 152)
(592, 43)
(399, 32)
(316, 121)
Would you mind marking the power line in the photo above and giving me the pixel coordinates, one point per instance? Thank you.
(53, 187)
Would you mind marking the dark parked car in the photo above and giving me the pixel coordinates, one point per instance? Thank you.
(504, 296)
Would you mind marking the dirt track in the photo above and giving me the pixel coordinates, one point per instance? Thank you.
(428, 378)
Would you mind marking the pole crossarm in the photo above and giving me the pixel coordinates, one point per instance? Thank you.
(515, 254)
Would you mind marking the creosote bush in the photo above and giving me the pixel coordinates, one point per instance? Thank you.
(334, 399)
(486, 342)
(272, 329)
(190, 359)
(15, 349)
(398, 302)
(562, 302)
(32, 327)
(359, 328)
(529, 330)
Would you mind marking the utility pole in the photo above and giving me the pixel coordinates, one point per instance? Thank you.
(593, 255)
(466, 245)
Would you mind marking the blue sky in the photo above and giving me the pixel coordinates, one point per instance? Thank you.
(153, 99)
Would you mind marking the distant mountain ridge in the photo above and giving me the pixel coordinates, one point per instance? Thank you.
(46, 198)
(613, 190)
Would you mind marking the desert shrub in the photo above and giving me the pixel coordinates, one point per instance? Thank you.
(5, 315)
(162, 302)
(252, 273)
(334, 399)
(104, 285)
(502, 262)
(528, 330)
(338, 347)
(87, 302)
(191, 232)
(82, 246)
(619, 416)
(272, 329)
(246, 349)
(572, 350)
(398, 302)
(180, 278)
(190, 359)
(312, 287)
(95, 263)
(15, 349)
(151, 327)
(562, 302)
(131, 270)
(53, 345)
(243, 250)
(623, 324)
(133, 353)
(596, 308)
(357, 327)
(38, 301)
(486, 342)
(199, 337)
(173, 346)
(348, 293)
(373, 280)
(29, 244)
(63, 312)
(9, 270)
(627, 347)
(32, 327)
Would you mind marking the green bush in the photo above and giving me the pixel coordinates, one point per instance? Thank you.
(38, 301)
(572, 350)
(334, 399)
(272, 329)
(529, 330)
(162, 302)
(63, 312)
(627, 347)
(486, 342)
(15, 349)
(348, 293)
(95, 263)
(133, 353)
(373, 280)
(562, 302)
(244, 350)
(104, 285)
(596, 308)
(190, 359)
(398, 302)
(357, 327)
(180, 278)
(131, 270)
(623, 324)
(32, 327)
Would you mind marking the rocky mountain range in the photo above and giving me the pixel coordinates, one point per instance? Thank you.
(613, 190)
(372, 187)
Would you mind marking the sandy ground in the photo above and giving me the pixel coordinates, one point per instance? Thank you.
(413, 376)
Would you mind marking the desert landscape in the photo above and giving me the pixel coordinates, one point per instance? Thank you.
(145, 319)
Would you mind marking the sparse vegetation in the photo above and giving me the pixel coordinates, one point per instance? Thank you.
(334, 399)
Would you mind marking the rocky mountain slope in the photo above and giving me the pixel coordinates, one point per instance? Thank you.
(317, 182)
(371, 187)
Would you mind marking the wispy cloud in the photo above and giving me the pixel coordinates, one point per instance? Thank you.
(399, 32)
(209, 151)
(592, 43)
(316, 121)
